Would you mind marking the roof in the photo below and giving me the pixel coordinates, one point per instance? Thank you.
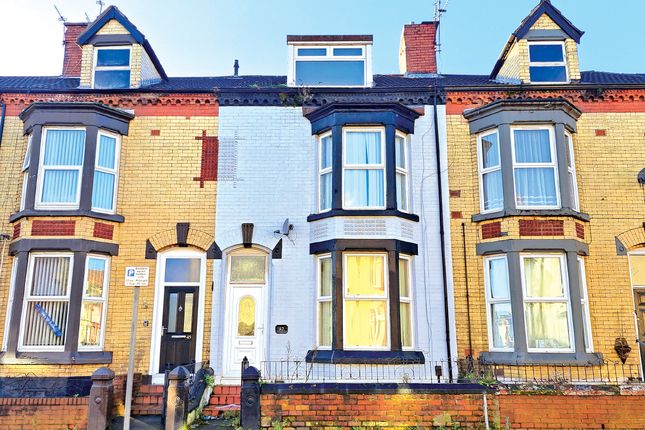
(544, 7)
(330, 38)
(113, 12)
(258, 82)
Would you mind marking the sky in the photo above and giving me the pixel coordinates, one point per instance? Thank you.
(204, 37)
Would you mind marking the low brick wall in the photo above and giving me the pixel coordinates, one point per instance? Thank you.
(44, 413)
(344, 406)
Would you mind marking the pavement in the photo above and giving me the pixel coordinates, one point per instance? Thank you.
(153, 422)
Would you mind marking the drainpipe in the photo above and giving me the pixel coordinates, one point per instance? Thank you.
(444, 270)
(3, 111)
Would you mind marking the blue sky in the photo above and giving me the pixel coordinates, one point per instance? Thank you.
(203, 37)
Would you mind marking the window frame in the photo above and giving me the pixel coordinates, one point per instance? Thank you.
(38, 204)
(562, 63)
(385, 297)
(26, 163)
(409, 300)
(571, 172)
(324, 171)
(403, 171)
(553, 164)
(96, 68)
(9, 308)
(103, 299)
(27, 296)
(382, 166)
(565, 299)
(323, 299)
(329, 56)
(115, 171)
(490, 301)
(584, 303)
(482, 171)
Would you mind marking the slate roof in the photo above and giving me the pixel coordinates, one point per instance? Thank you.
(251, 82)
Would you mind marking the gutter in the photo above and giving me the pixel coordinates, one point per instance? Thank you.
(444, 270)
(3, 112)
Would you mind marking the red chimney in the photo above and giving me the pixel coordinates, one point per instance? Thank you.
(417, 53)
(73, 52)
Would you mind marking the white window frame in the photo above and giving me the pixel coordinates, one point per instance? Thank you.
(115, 171)
(103, 299)
(631, 277)
(381, 166)
(7, 320)
(571, 170)
(566, 298)
(25, 172)
(409, 300)
(96, 68)
(41, 172)
(403, 171)
(584, 302)
(562, 63)
(27, 297)
(553, 164)
(490, 301)
(322, 299)
(482, 171)
(385, 297)
(324, 171)
(365, 57)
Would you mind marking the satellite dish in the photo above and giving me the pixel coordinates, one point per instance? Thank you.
(286, 227)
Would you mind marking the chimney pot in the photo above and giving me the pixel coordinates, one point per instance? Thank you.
(73, 53)
(417, 54)
(236, 68)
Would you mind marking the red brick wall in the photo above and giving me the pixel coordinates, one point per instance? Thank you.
(539, 227)
(53, 228)
(44, 414)
(420, 55)
(491, 230)
(103, 231)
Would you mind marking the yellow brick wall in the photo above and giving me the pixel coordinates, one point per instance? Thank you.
(113, 27)
(609, 193)
(156, 191)
(545, 23)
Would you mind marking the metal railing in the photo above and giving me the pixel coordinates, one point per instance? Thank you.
(464, 371)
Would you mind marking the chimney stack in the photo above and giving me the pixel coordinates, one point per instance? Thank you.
(73, 52)
(417, 54)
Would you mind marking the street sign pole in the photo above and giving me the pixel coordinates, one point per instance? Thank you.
(133, 336)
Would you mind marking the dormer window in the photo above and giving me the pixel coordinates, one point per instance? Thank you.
(326, 61)
(112, 67)
(547, 62)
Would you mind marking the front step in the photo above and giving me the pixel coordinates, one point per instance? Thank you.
(223, 398)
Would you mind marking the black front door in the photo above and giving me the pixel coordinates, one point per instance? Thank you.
(179, 324)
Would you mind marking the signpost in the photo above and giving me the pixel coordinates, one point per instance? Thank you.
(134, 277)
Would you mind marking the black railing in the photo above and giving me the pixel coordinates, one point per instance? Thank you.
(466, 371)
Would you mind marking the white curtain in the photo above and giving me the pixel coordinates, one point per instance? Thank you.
(62, 148)
(364, 187)
(534, 186)
(493, 190)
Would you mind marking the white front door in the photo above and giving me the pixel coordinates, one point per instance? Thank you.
(247, 275)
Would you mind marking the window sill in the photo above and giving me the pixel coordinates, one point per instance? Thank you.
(339, 356)
(539, 358)
(363, 212)
(78, 212)
(83, 357)
(531, 212)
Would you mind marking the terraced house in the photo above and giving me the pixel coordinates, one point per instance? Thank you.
(547, 210)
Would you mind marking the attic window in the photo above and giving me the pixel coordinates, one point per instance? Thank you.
(112, 67)
(547, 62)
(333, 65)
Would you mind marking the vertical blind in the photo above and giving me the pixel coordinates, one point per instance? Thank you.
(62, 164)
(47, 302)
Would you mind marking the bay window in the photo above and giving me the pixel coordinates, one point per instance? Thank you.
(25, 172)
(324, 302)
(534, 168)
(363, 169)
(402, 177)
(490, 172)
(46, 303)
(500, 314)
(105, 173)
(365, 306)
(405, 297)
(61, 164)
(571, 172)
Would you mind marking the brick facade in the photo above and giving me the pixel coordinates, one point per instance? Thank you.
(44, 413)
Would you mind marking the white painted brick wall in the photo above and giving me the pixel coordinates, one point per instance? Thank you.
(266, 174)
